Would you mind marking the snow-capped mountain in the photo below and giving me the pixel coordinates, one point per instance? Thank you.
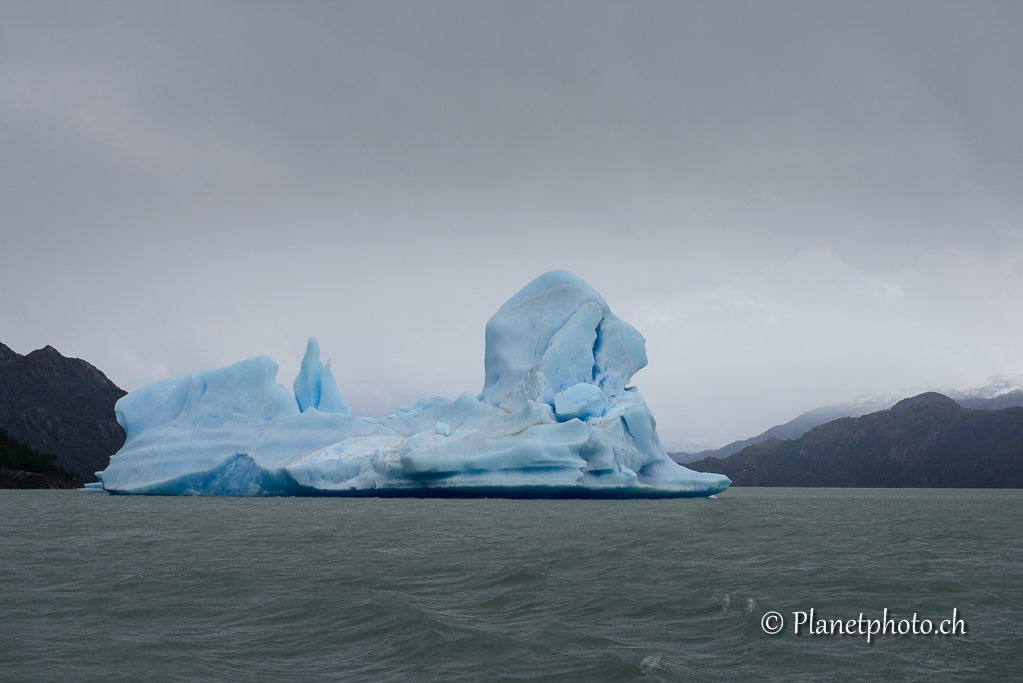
(1001, 391)
(997, 386)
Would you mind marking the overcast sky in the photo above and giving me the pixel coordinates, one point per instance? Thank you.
(794, 202)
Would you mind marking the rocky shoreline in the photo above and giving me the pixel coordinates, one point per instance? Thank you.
(20, 479)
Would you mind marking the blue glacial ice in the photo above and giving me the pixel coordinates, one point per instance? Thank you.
(556, 419)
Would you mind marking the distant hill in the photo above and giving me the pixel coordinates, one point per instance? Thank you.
(1003, 391)
(798, 426)
(927, 441)
(59, 405)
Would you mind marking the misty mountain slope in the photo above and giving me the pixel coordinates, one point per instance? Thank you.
(998, 387)
(798, 426)
(1002, 391)
(927, 441)
(1013, 400)
(60, 405)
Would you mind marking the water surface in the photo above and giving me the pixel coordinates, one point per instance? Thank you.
(125, 588)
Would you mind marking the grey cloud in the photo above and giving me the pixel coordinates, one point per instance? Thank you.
(192, 183)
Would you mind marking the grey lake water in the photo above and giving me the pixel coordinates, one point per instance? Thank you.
(118, 588)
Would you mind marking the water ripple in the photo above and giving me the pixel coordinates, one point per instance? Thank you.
(163, 589)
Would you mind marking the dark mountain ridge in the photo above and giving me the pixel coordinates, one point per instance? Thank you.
(927, 441)
(804, 422)
(60, 405)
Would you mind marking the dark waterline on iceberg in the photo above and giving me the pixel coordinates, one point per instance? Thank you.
(470, 492)
(184, 589)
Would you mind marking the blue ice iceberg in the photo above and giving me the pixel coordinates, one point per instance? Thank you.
(556, 419)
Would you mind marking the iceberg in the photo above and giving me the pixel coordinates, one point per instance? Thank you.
(557, 418)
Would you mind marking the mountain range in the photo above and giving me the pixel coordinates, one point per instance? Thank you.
(1002, 391)
(927, 441)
